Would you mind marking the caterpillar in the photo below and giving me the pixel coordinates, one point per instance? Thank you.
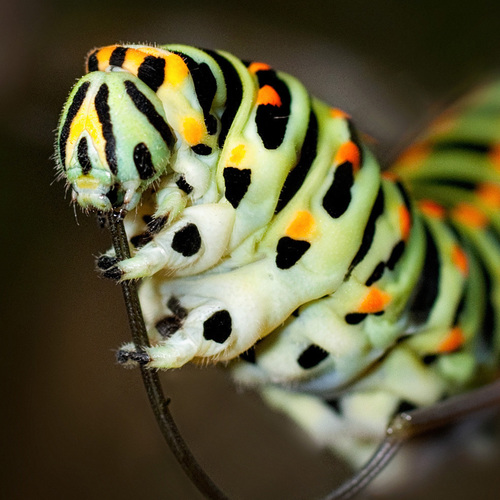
(267, 238)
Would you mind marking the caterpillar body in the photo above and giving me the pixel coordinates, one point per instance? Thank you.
(266, 236)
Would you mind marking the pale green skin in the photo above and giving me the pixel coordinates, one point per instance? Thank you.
(235, 268)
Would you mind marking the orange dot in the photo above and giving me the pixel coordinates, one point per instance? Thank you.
(459, 258)
(414, 156)
(431, 209)
(267, 95)
(348, 151)
(452, 341)
(469, 215)
(302, 225)
(389, 176)
(404, 222)
(489, 193)
(494, 156)
(193, 130)
(258, 66)
(237, 154)
(338, 113)
(374, 301)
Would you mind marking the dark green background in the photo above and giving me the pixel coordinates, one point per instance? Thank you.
(77, 426)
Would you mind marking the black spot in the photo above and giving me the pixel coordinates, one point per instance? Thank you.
(218, 327)
(102, 109)
(113, 194)
(202, 149)
(272, 120)
(312, 356)
(289, 251)
(92, 62)
(427, 289)
(152, 72)
(118, 56)
(146, 107)
(369, 232)
(376, 274)
(354, 318)
(234, 94)
(183, 184)
(106, 261)
(405, 407)
(74, 107)
(379, 313)
(113, 273)
(83, 156)
(236, 183)
(143, 161)
(338, 197)
(141, 239)
(174, 305)
(396, 254)
(187, 241)
(487, 328)
(335, 405)
(168, 326)
(249, 355)
(429, 359)
(296, 176)
(140, 357)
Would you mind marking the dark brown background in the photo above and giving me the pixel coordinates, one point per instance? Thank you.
(74, 424)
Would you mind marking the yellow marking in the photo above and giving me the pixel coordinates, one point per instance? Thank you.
(175, 69)
(193, 130)
(338, 113)
(258, 66)
(469, 215)
(374, 301)
(133, 59)
(103, 56)
(237, 154)
(489, 194)
(432, 209)
(452, 341)
(85, 182)
(302, 226)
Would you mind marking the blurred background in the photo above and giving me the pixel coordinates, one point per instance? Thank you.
(74, 424)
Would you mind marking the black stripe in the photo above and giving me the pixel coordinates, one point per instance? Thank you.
(234, 94)
(83, 156)
(146, 107)
(487, 328)
(312, 356)
(376, 274)
(152, 72)
(473, 147)
(404, 195)
(102, 108)
(338, 197)
(297, 175)
(118, 56)
(143, 161)
(396, 254)
(427, 289)
(369, 233)
(92, 62)
(456, 183)
(205, 86)
(75, 106)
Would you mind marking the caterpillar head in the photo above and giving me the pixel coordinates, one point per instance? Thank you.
(113, 140)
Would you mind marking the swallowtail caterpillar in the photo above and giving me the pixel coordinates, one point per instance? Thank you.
(267, 238)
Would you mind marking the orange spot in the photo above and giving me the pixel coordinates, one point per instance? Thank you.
(404, 222)
(375, 301)
(432, 209)
(338, 113)
(267, 95)
(489, 194)
(258, 66)
(389, 176)
(469, 215)
(176, 69)
(193, 130)
(459, 258)
(237, 154)
(414, 156)
(133, 59)
(301, 226)
(103, 56)
(348, 151)
(452, 341)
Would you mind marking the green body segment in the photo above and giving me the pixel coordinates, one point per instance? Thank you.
(266, 236)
